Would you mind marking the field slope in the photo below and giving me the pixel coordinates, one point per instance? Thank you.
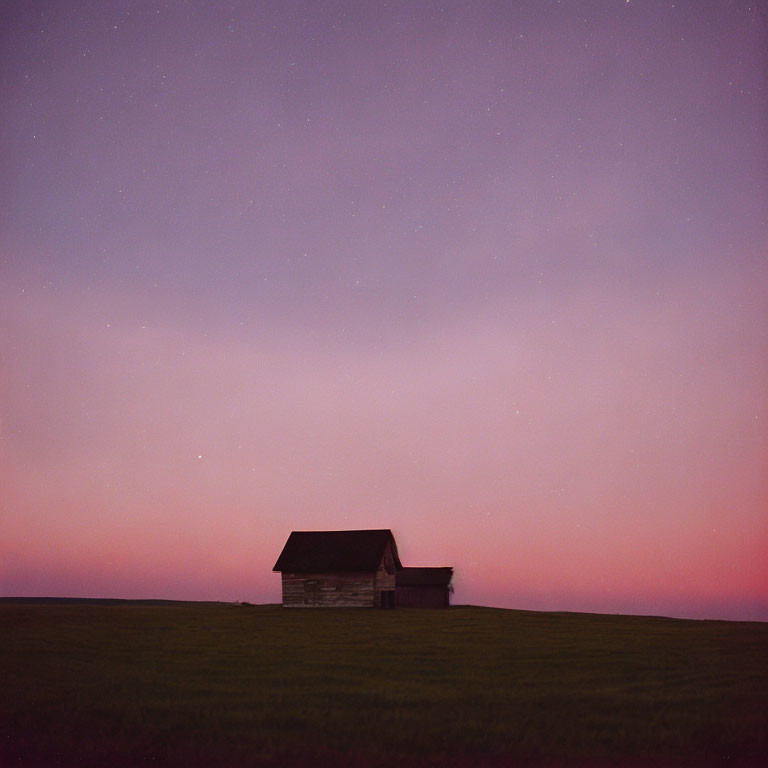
(216, 684)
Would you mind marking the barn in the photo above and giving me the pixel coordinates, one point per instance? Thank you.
(345, 569)
(355, 569)
(423, 587)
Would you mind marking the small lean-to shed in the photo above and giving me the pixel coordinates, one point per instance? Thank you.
(423, 587)
(343, 569)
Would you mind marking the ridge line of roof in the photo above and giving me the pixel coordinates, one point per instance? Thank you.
(349, 530)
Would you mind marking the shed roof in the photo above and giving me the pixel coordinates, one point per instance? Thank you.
(420, 577)
(329, 551)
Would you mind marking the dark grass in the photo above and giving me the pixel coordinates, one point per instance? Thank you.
(216, 684)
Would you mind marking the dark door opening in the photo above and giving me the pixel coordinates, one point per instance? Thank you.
(387, 598)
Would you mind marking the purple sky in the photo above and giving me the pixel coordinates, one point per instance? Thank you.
(491, 274)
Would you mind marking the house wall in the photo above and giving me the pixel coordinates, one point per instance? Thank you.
(426, 596)
(329, 590)
(385, 577)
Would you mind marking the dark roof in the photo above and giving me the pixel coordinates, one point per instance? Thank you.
(329, 551)
(419, 577)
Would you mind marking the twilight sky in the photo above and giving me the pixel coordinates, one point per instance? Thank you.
(490, 274)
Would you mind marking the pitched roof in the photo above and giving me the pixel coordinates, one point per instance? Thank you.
(328, 551)
(419, 577)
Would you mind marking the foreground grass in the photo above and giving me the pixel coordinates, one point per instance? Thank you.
(215, 684)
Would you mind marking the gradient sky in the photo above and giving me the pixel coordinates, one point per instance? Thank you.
(490, 274)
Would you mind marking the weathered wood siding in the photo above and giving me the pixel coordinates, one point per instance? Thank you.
(427, 596)
(329, 590)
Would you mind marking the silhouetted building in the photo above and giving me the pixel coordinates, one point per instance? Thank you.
(351, 569)
(355, 569)
(423, 587)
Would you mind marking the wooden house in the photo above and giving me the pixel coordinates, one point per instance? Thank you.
(423, 587)
(351, 569)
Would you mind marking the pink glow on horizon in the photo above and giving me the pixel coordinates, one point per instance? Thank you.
(597, 490)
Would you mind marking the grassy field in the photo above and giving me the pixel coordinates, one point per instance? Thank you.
(216, 684)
